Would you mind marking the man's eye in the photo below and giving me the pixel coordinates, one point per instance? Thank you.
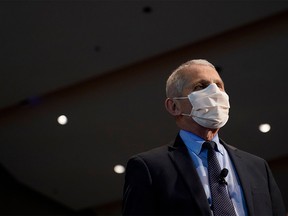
(220, 86)
(199, 87)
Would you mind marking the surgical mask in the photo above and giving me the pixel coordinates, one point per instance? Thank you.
(210, 107)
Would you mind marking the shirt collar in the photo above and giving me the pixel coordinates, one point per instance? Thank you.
(194, 142)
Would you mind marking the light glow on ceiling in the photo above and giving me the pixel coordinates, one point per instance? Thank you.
(264, 128)
(62, 120)
(119, 169)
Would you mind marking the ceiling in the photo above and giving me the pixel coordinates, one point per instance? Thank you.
(48, 46)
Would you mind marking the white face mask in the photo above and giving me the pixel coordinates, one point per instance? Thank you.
(210, 107)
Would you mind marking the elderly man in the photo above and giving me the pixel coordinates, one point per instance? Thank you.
(199, 174)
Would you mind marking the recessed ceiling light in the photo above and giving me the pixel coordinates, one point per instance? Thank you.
(119, 169)
(97, 48)
(62, 120)
(147, 9)
(264, 128)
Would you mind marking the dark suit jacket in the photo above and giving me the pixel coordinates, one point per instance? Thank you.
(164, 181)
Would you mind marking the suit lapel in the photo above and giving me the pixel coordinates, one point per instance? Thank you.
(242, 174)
(183, 162)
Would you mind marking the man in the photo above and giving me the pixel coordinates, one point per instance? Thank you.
(178, 179)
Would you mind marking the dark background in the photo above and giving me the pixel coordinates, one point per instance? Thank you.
(104, 65)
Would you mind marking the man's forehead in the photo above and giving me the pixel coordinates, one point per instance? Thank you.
(205, 76)
(202, 72)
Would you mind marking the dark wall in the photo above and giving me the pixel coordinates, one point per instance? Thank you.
(18, 199)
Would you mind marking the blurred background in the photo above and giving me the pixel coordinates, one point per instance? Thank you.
(82, 89)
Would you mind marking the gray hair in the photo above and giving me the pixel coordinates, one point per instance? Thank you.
(177, 80)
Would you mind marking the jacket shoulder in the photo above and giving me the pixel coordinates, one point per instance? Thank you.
(157, 153)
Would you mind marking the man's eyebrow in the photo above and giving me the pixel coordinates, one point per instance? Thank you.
(204, 81)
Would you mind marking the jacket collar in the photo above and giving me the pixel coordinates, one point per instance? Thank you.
(182, 160)
(239, 164)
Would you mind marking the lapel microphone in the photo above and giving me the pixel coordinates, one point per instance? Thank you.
(223, 174)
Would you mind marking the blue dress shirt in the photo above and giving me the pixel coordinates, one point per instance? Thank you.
(199, 157)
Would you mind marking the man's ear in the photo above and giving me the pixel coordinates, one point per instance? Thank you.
(172, 107)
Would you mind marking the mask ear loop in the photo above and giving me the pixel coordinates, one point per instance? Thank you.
(182, 98)
(185, 114)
